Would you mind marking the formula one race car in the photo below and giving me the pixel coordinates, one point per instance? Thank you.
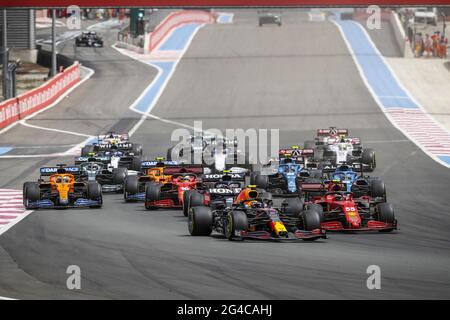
(357, 183)
(171, 194)
(252, 217)
(98, 168)
(340, 211)
(266, 17)
(61, 190)
(89, 39)
(338, 148)
(112, 141)
(295, 165)
(219, 190)
(113, 159)
(152, 171)
(214, 153)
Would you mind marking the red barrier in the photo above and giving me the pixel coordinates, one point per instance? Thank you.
(9, 112)
(34, 100)
(176, 19)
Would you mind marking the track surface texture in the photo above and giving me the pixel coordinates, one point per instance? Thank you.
(297, 77)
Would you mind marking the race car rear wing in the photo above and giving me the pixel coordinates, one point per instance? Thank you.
(121, 146)
(327, 168)
(332, 131)
(48, 171)
(224, 191)
(152, 164)
(313, 187)
(291, 153)
(79, 160)
(220, 176)
(120, 136)
(183, 169)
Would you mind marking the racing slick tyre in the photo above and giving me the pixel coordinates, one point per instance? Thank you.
(310, 220)
(236, 222)
(130, 186)
(94, 192)
(385, 213)
(186, 196)
(119, 175)
(26, 184)
(192, 198)
(137, 149)
(31, 193)
(261, 181)
(368, 158)
(200, 221)
(152, 193)
(317, 208)
(378, 189)
(135, 164)
(309, 144)
(293, 206)
(253, 175)
(86, 150)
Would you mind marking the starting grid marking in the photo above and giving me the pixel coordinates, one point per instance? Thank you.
(395, 101)
(12, 210)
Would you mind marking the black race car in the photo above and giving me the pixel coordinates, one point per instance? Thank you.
(112, 142)
(252, 216)
(267, 17)
(89, 39)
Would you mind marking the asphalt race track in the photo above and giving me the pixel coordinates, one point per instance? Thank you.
(297, 77)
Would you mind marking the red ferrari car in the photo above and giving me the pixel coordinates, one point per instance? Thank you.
(170, 194)
(341, 212)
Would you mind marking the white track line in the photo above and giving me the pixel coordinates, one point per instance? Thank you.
(5, 298)
(52, 129)
(147, 113)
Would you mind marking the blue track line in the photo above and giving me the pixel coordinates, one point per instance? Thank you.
(377, 73)
(179, 39)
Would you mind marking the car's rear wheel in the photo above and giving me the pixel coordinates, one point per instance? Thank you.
(119, 175)
(136, 163)
(192, 198)
(200, 221)
(378, 189)
(261, 181)
(236, 222)
(293, 206)
(253, 175)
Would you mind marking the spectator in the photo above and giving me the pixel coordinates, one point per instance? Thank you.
(428, 45)
(443, 47)
(418, 44)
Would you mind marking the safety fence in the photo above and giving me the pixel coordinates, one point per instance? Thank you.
(17, 108)
(174, 20)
